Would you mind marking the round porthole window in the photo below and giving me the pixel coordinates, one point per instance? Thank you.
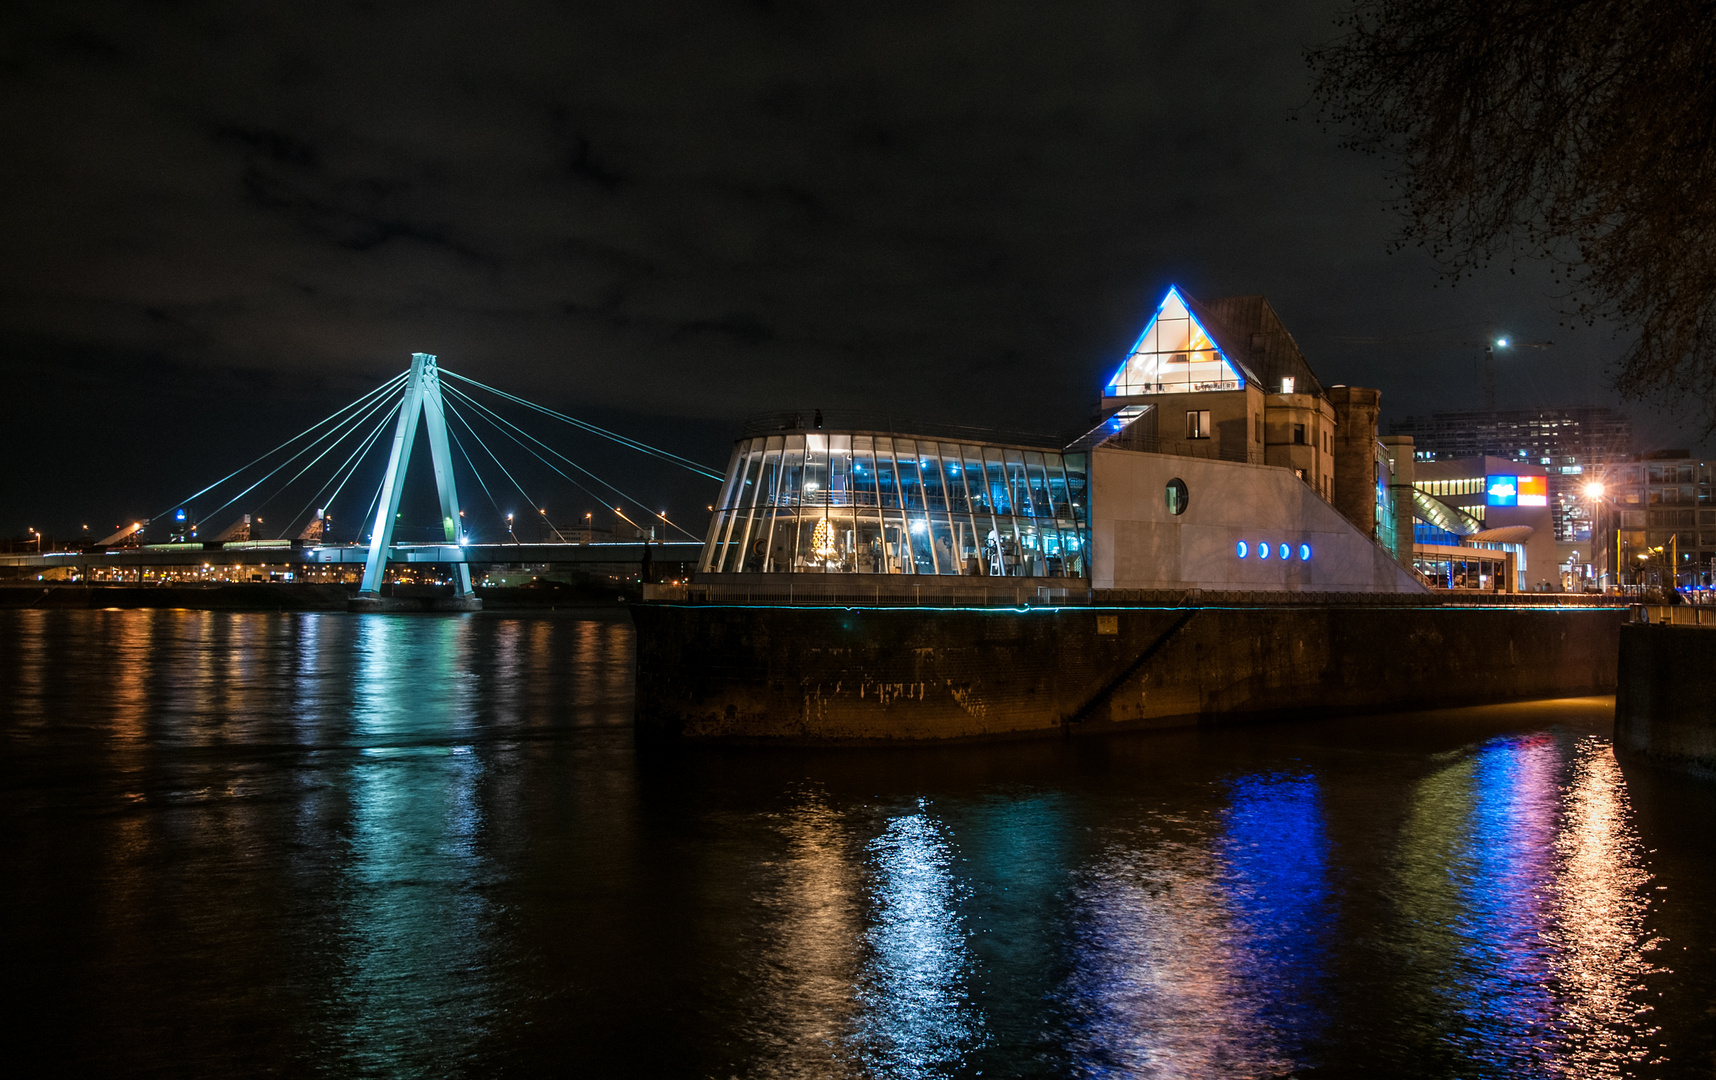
(1304, 552)
(1242, 549)
(1263, 550)
(1284, 551)
(1177, 496)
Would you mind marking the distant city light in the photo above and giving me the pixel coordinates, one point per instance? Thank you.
(1502, 342)
(1594, 490)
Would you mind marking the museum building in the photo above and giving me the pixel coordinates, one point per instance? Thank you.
(1220, 463)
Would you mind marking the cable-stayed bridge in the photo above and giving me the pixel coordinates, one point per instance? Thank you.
(279, 508)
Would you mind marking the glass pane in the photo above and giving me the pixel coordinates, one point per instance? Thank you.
(920, 560)
(1018, 488)
(1075, 466)
(906, 465)
(1040, 505)
(941, 544)
(995, 471)
(929, 468)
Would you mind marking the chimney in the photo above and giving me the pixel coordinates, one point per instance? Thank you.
(1356, 409)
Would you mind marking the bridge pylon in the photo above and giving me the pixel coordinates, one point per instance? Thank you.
(422, 403)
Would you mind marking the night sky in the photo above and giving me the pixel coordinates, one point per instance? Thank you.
(224, 220)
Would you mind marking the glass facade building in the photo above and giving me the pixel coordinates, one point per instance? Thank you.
(832, 502)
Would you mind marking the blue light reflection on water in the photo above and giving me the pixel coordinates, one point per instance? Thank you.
(1274, 852)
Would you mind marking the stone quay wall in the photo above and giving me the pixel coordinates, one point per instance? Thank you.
(1665, 705)
(830, 674)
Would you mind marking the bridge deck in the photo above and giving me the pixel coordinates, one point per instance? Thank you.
(274, 552)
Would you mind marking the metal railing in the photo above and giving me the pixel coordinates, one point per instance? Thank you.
(1675, 614)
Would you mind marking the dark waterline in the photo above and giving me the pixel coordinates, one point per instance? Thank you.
(424, 846)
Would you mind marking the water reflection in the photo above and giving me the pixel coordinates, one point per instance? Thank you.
(814, 906)
(1200, 952)
(1524, 949)
(416, 921)
(918, 1019)
(316, 844)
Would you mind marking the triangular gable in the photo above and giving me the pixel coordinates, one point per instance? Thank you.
(1175, 354)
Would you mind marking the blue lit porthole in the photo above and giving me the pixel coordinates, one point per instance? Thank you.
(1286, 552)
(1304, 552)
(1242, 549)
(1263, 551)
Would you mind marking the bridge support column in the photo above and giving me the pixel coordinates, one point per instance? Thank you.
(423, 403)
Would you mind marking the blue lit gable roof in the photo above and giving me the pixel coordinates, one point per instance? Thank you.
(1175, 305)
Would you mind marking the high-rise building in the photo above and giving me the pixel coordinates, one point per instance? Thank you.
(1570, 445)
(1664, 513)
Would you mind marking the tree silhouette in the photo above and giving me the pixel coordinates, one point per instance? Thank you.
(1578, 131)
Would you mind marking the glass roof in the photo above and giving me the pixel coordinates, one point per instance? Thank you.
(1174, 355)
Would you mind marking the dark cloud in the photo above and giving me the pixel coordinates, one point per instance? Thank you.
(959, 210)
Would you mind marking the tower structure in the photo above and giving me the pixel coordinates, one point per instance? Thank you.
(422, 403)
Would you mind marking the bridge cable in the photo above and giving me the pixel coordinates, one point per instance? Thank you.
(353, 460)
(355, 425)
(527, 450)
(382, 390)
(454, 410)
(270, 473)
(665, 455)
(628, 498)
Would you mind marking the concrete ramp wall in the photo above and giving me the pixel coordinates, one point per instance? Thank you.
(1234, 510)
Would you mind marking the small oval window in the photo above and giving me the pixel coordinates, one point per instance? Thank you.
(1243, 549)
(1177, 496)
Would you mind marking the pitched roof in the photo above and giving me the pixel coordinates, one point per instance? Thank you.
(1253, 336)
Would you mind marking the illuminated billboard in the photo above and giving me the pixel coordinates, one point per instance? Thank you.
(1516, 490)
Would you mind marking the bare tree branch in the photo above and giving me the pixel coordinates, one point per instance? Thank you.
(1578, 131)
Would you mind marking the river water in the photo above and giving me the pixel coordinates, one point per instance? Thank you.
(314, 844)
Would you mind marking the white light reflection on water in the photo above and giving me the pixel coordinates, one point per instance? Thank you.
(1199, 953)
(917, 1017)
(811, 959)
(1601, 947)
(1521, 894)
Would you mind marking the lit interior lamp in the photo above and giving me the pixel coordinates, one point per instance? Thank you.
(822, 540)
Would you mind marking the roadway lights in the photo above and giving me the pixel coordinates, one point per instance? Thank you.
(1594, 490)
(1501, 343)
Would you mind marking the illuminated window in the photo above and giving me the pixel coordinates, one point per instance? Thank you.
(1287, 387)
(1174, 355)
(1197, 423)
